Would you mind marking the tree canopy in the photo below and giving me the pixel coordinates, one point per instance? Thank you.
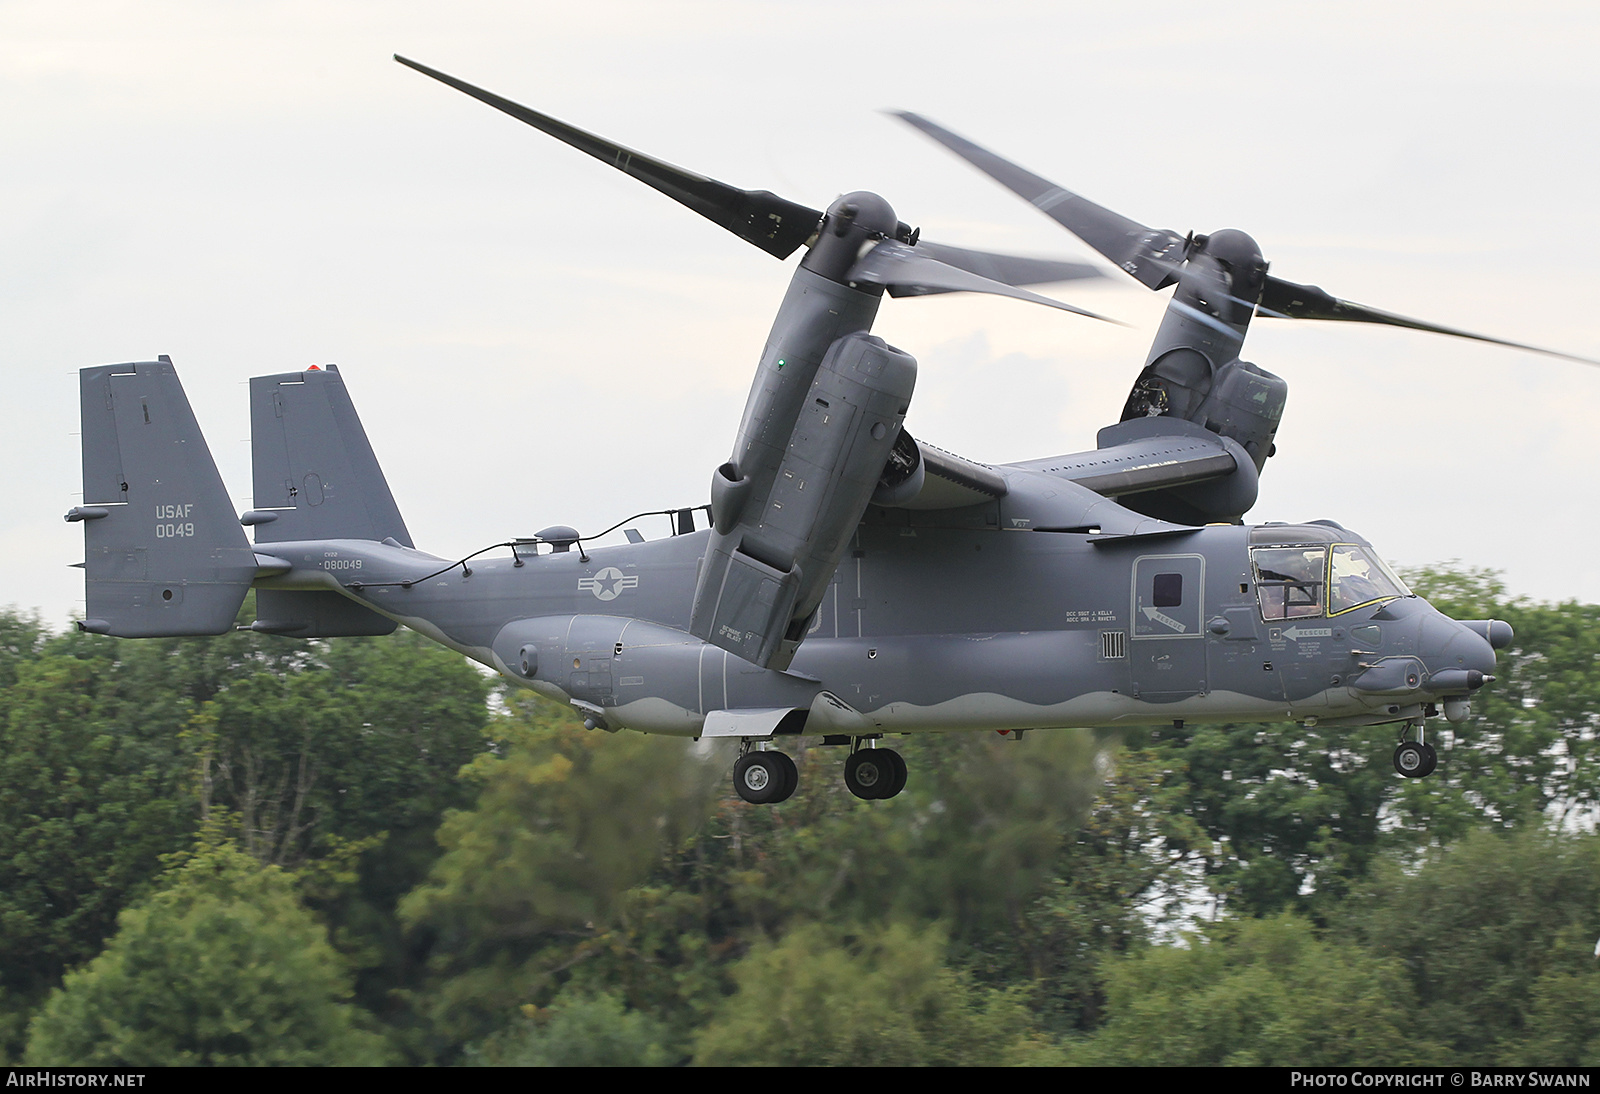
(420, 867)
(221, 966)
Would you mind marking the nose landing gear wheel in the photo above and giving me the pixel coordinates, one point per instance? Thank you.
(875, 773)
(764, 778)
(1431, 759)
(1415, 760)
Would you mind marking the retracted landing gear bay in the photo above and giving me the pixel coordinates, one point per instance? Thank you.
(1414, 759)
(874, 773)
(764, 778)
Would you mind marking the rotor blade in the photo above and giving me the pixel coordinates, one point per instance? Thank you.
(1285, 300)
(1006, 269)
(1150, 255)
(772, 223)
(897, 265)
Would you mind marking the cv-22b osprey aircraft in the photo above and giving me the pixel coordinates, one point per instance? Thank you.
(853, 581)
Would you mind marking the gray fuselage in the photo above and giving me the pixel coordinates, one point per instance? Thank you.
(977, 618)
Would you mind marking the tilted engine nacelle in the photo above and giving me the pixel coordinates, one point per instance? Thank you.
(1240, 400)
(778, 536)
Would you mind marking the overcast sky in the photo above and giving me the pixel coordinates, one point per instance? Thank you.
(534, 339)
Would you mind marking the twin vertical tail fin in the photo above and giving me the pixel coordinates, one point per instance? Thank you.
(316, 477)
(163, 550)
(315, 474)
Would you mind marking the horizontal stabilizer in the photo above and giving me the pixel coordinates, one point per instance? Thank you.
(315, 474)
(163, 550)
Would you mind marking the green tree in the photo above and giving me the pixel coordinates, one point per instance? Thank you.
(1530, 751)
(533, 879)
(1494, 933)
(336, 758)
(221, 966)
(878, 997)
(1258, 993)
(22, 636)
(1127, 871)
(1562, 1027)
(87, 808)
(578, 1031)
(353, 739)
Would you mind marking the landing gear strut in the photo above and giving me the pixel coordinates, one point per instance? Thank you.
(764, 778)
(874, 773)
(1414, 759)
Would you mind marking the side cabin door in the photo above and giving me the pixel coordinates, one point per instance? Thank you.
(1166, 647)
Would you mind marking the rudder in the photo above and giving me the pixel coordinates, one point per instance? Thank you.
(315, 475)
(163, 550)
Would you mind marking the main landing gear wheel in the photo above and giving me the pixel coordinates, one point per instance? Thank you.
(765, 778)
(875, 773)
(791, 775)
(1415, 759)
(899, 782)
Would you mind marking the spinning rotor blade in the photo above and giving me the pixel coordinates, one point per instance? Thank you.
(1151, 255)
(914, 273)
(1006, 269)
(1158, 258)
(760, 217)
(779, 226)
(1286, 300)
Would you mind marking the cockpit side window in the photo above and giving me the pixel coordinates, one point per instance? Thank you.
(1357, 577)
(1289, 581)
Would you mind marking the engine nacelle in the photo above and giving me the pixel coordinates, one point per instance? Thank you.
(1239, 400)
(776, 543)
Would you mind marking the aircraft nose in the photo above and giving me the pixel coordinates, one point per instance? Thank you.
(1459, 659)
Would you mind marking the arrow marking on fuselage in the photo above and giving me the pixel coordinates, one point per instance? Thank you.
(1155, 614)
(1298, 633)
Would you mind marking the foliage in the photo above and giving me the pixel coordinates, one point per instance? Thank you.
(1262, 993)
(221, 966)
(1530, 753)
(1126, 872)
(596, 1031)
(878, 997)
(105, 751)
(1288, 815)
(87, 807)
(581, 897)
(1494, 933)
(566, 821)
(354, 738)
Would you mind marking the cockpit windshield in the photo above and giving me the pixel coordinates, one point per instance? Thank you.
(1356, 576)
(1307, 581)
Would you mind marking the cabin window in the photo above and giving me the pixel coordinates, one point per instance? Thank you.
(1289, 581)
(1167, 590)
